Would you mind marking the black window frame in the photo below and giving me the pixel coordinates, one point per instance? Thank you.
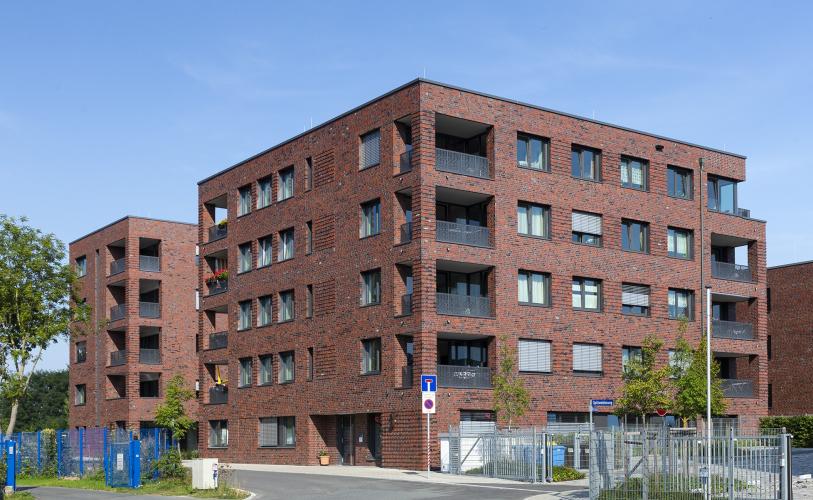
(241, 371)
(599, 294)
(672, 172)
(670, 230)
(644, 172)
(546, 280)
(367, 288)
(626, 235)
(81, 351)
(579, 150)
(545, 151)
(282, 364)
(690, 303)
(546, 217)
(370, 366)
(633, 310)
(280, 184)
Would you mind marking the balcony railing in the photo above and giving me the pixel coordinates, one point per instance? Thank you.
(149, 356)
(118, 358)
(735, 388)
(406, 376)
(218, 395)
(406, 161)
(463, 305)
(149, 309)
(149, 263)
(464, 234)
(464, 377)
(118, 312)
(218, 340)
(406, 232)
(744, 212)
(730, 271)
(406, 304)
(218, 286)
(118, 266)
(461, 163)
(218, 232)
(732, 330)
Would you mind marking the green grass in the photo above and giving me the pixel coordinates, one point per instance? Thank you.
(22, 495)
(169, 487)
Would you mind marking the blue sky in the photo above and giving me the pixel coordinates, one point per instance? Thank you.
(114, 108)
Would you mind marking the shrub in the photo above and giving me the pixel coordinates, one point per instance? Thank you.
(169, 465)
(801, 426)
(564, 473)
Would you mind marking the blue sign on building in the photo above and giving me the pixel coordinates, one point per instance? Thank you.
(429, 383)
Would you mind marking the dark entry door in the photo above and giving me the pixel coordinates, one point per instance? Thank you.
(344, 438)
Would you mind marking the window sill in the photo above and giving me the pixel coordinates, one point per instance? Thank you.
(218, 447)
(367, 374)
(263, 266)
(597, 181)
(281, 447)
(243, 215)
(687, 259)
(633, 315)
(244, 386)
(681, 319)
(585, 309)
(674, 197)
(371, 304)
(636, 188)
(588, 374)
(280, 200)
(266, 384)
(265, 325)
(285, 321)
(532, 169)
(368, 236)
(287, 382)
(284, 260)
(534, 237)
(531, 304)
(240, 273)
(641, 252)
(586, 244)
(264, 206)
(525, 372)
(368, 167)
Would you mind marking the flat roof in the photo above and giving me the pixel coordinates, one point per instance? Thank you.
(804, 262)
(130, 217)
(461, 89)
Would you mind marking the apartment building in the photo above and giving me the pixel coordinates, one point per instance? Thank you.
(139, 277)
(790, 332)
(418, 232)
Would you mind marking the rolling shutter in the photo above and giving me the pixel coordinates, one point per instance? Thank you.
(635, 295)
(370, 153)
(587, 357)
(534, 356)
(587, 223)
(268, 431)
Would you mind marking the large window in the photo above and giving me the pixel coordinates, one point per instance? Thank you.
(681, 304)
(264, 311)
(81, 351)
(264, 195)
(533, 220)
(679, 243)
(587, 358)
(218, 433)
(371, 356)
(244, 315)
(635, 299)
(586, 294)
(679, 182)
(370, 218)
(266, 375)
(81, 266)
(534, 356)
(370, 150)
(722, 195)
(585, 163)
(277, 432)
(533, 288)
(265, 253)
(371, 287)
(635, 236)
(286, 184)
(586, 228)
(634, 173)
(286, 245)
(533, 152)
(286, 306)
(245, 200)
(246, 369)
(245, 261)
(80, 394)
(287, 367)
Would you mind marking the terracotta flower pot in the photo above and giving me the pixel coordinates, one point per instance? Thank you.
(324, 460)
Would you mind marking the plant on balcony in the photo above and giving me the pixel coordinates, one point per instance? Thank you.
(689, 381)
(223, 223)
(511, 398)
(646, 387)
(221, 275)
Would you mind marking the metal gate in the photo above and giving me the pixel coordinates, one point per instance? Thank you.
(517, 454)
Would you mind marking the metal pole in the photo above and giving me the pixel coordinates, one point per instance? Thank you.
(428, 447)
(708, 388)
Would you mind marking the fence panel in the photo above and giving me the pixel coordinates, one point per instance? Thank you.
(118, 464)
(518, 454)
(154, 442)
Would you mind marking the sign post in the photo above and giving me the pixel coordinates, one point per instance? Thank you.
(598, 403)
(429, 385)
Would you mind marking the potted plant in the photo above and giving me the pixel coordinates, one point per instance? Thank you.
(324, 458)
(223, 223)
(221, 275)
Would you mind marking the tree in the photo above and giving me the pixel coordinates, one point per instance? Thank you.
(44, 405)
(37, 304)
(171, 414)
(689, 375)
(646, 387)
(511, 398)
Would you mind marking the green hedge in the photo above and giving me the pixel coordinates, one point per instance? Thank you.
(801, 426)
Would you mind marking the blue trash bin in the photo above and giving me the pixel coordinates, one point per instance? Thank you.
(558, 455)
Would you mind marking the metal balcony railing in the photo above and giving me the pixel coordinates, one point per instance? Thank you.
(149, 356)
(464, 234)
(732, 330)
(118, 358)
(149, 309)
(149, 263)
(406, 232)
(118, 312)
(461, 163)
(406, 376)
(405, 162)
(218, 232)
(406, 304)
(118, 266)
(218, 286)
(736, 388)
(730, 271)
(464, 377)
(463, 305)
(218, 340)
(218, 395)
(744, 212)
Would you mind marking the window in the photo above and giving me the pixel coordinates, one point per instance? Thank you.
(630, 353)
(533, 152)
(265, 253)
(533, 220)
(770, 395)
(245, 200)
(81, 266)
(286, 367)
(286, 184)
(264, 311)
(634, 173)
(371, 356)
(370, 150)
(244, 264)
(679, 243)
(586, 228)
(286, 245)
(148, 385)
(770, 353)
(370, 218)
(681, 304)
(309, 237)
(81, 351)
(634, 299)
(264, 196)
(266, 376)
(244, 315)
(310, 363)
(635, 236)
(309, 301)
(308, 173)
(218, 433)
(534, 356)
(722, 195)
(286, 306)
(79, 396)
(768, 292)
(371, 287)
(587, 358)
(585, 163)
(277, 432)
(679, 182)
(586, 294)
(533, 288)
(246, 368)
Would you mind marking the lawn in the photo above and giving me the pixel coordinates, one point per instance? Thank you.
(169, 487)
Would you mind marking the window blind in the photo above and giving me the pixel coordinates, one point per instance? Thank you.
(534, 356)
(370, 149)
(268, 431)
(587, 357)
(635, 295)
(587, 223)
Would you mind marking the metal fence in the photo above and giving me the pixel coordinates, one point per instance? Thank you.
(518, 454)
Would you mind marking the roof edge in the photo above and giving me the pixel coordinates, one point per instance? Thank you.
(127, 217)
(780, 266)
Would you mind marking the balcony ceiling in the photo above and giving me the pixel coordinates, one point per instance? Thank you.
(459, 197)
(458, 127)
(147, 242)
(723, 297)
(117, 244)
(722, 354)
(145, 286)
(460, 267)
(462, 336)
(724, 240)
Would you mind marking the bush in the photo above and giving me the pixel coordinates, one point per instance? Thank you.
(169, 465)
(801, 426)
(564, 473)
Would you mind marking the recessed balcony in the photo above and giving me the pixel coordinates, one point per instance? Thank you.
(118, 358)
(218, 395)
(461, 147)
(737, 388)
(736, 330)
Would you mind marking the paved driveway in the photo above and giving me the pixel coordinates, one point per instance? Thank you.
(802, 461)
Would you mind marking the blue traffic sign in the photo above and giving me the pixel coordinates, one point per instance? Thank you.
(429, 383)
(602, 402)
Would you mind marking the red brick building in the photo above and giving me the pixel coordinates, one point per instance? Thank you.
(139, 276)
(790, 332)
(414, 233)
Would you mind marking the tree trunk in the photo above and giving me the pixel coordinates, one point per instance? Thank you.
(12, 419)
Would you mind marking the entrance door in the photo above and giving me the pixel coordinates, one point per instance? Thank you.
(344, 438)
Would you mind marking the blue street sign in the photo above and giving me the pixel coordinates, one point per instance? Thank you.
(429, 383)
(601, 402)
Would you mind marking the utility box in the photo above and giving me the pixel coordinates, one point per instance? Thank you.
(204, 473)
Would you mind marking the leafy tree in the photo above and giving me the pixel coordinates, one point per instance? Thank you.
(689, 375)
(44, 405)
(37, 304)
(171, 414)
(511, 398)
(646, 387)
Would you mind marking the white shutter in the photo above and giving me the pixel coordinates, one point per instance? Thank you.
(635, 295)
(534, 356)
(587, 223)
(587, 357)
(370, 149)
(268, 431)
